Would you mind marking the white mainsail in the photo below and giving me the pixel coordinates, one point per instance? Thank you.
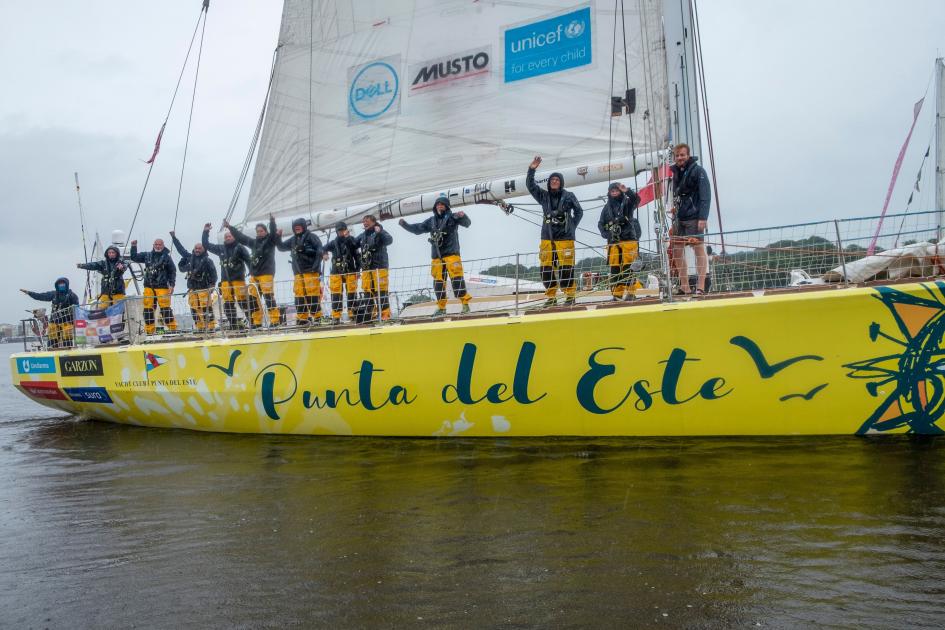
(377, 100)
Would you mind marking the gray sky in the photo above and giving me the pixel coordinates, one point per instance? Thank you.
(810, 102)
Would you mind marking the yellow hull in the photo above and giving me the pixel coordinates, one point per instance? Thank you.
(843, 361)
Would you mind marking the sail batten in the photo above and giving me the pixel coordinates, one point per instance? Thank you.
(414, 95)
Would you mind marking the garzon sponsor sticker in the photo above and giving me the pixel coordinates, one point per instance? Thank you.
(460, 67)
(88, 394)
(81, 365)
(554, 44)
(36, 365)
(373, 90)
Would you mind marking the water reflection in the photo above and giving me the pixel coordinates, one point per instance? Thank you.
(112, 525)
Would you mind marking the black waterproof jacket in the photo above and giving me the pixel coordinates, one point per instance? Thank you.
(159, 270)
(306, 251)
(692, 191)
(443, 230)
(617, 221)
(113, 271)
(562, 212)
(234, 258)
(200, 270)
(373, 246)
(62, 310)
(344, 254)
(262, 251)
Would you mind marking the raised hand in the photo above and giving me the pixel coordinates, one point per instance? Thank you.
(134, 243)
(173, 234)
(536, 162)
(24, 291)
(226, 223)
(402, 223)
(622, 188)
(459, 214)
(377, 228)
(206, 227)
(279, 232)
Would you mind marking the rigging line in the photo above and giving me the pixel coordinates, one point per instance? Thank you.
(918, 178)
(247, 163)
(85, 250)
(697, 31)
(167, 117)
(610, 122)
(311, 55)
(626, 73)
(190, 118)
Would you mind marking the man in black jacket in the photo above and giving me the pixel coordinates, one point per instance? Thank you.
(61, 331)
(201, 277)
(692, 197)
(375, 274)
(234, 260)
(621, 228)
(443, 228)
(159, 277)
(561, 214)
(344, 271)
(306, 252)
(262, 269)
(112, 268)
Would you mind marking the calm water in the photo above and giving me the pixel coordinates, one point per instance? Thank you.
(105, 526)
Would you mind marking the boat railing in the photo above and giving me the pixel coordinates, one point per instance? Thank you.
(739, 261)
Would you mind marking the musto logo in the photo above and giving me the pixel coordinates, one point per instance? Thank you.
(448, 71)
(550, 45)
(373, 90)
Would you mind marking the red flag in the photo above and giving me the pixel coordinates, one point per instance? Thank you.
(648, 192)
(157, 145)
(895, 175)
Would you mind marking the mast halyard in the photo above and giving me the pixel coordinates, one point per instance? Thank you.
(940, 144)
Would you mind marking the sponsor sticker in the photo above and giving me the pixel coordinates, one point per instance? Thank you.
(458, 68)
(48, 390)
(550, 45)
(36, 365)
(373, 90)
(81, 365)
(88, 394)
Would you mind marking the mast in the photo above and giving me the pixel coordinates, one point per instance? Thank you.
(940, 143)
(685, 122)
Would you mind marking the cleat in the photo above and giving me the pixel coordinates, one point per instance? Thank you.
(440, 312)
(550, 302)
(466, 309)
(569, 301)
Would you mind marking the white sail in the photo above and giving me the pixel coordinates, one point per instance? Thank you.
(379, 100)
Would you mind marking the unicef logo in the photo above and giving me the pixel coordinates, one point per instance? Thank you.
(25, 366)
(374, 90)
(574, 29)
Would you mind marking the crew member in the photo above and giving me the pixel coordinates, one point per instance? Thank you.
(621, 228)
(234, 260)
(375, 272)
(306, 251)
(159, 277)
(443, 228)
(62, 318)
(692, 196)
(561, 215)
(112, 268)
(201, 278)
(262, 268)
(344, 271)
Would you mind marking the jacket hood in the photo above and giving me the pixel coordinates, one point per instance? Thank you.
(444, 200)
(264, 227)
(112, 248)
(560, 179)
(301, 223)
(62, 284)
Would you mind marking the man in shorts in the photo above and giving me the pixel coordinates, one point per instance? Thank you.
(692, 197)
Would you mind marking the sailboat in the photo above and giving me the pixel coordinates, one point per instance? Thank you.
(382, 107)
